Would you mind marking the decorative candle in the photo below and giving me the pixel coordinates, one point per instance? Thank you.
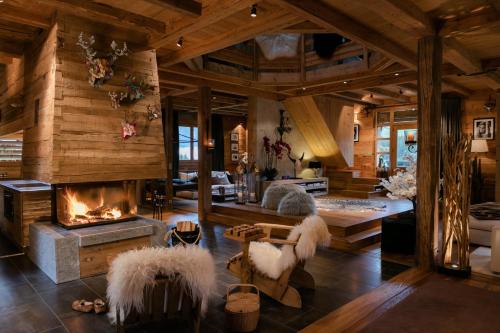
(240, 196)
(252, 196)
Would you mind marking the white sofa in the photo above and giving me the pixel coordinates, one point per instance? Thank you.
(480, 230)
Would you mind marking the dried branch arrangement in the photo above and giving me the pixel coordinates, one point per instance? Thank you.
(456, 201)
(100, 67)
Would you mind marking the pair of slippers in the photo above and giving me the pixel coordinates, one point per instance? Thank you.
(82, 305)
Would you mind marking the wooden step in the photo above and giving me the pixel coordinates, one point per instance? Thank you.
(365, 180)
(358, 194)
(357, 241)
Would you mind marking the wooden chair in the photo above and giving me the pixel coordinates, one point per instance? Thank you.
(279, 289)
(165, 300)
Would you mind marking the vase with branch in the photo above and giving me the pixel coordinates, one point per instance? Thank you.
(274, 152)
(403, 185)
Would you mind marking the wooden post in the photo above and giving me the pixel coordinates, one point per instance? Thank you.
(167, 117)
(430, 55)
(497, 178)
(204, 155)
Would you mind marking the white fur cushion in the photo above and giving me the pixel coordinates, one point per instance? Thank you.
(297, 204)
(131, 271)
(276, 192)
(272, 261)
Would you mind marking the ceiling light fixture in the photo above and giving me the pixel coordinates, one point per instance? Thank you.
(253, 11)
(345, 82)
(396, 74)
(180, 41)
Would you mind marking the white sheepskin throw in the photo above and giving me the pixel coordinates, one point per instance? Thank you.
(276, 192)
(131, 271)
(272, 261)
(297, 204)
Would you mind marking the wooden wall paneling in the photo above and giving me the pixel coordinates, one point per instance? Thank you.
(204, 155)
(168, 143)
(87, 130)
(364, 149)
(11, 86)
(429, 114)
(497, 147)
(237, 125)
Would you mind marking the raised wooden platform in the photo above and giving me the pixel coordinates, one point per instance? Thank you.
(351, 230)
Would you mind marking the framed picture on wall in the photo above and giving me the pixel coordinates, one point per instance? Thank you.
(234, 137)
(356, 132)
(484, 128)
(234, 157)
(234, 147)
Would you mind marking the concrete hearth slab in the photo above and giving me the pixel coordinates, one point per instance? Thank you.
(56, 251)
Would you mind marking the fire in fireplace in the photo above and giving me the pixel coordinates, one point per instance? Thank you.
(87, 204)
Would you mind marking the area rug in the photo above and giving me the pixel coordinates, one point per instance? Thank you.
(358, 205)
(480, 261)
(442, 305)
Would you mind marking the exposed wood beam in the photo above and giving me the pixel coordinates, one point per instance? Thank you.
(187, 7)
(330, 18)
(212, 13)
(355, 98)
(307, 27)
(264, 23)
(490, 64)
(18, 15)
(167, 119)
(484, 19)
(205, 156)
(11, 49)
(456, 87)
(389, 94)
(405, 15)
(107, 14)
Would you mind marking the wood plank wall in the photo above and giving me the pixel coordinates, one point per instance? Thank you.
(11, 86)
(87, 130)
(364, 149)
(236, 125)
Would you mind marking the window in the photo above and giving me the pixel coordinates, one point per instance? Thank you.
(188, 143)
(383, 141)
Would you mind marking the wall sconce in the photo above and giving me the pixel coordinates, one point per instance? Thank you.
(211, 144)
(411, 141)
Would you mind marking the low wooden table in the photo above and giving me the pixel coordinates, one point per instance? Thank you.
(245, 234)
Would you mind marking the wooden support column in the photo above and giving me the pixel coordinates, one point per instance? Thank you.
(430, 57)
(168, 142)
(204, 155)
(497, 138)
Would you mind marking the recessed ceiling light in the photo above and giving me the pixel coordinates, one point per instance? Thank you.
(396, 74)
(180, 42)
(253, 11)
(214, 97)
(345, 82)
(303, 88)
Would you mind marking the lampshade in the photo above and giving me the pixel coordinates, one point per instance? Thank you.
(315, 165)
(479, 146)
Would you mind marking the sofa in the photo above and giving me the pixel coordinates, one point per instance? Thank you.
(482, 219)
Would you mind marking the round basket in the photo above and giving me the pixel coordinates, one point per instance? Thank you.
(242, 307)
(185, 237)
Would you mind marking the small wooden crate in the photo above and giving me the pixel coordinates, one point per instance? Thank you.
(242, 308)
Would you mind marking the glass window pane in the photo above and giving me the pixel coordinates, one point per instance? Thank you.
(404, 151)
(184, 143)
(195, 143)
(383, 161)
(384, 132)
(383, 146)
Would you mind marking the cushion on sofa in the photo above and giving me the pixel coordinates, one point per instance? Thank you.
(297, 204)
(275, 192)
(485, 225)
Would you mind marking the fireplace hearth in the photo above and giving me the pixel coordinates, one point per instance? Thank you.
(88, 204)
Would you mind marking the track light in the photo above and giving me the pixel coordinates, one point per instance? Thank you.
(253, 11)
(180, 42)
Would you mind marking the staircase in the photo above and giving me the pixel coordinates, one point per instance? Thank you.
(349, 183)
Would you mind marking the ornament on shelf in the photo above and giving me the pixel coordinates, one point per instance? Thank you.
(100, 67)
(136, 90)
(153, 112)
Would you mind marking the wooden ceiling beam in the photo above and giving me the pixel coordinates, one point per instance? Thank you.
(355, 98)
(18, 15)
(212, 13)
(10, 49)
(307, 27)
(330, 18)
(485, 19)
(389, 94)
(264, 23)
(449, 85)
(107, 14)
(186, 7)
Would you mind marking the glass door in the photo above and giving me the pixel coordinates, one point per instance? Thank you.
(403, 145)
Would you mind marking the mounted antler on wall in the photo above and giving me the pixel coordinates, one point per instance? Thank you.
(100, 67)
(297, 163)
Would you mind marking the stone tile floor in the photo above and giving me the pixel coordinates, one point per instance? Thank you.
(31, 302)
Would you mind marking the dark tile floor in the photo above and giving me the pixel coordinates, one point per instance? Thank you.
(30, 302)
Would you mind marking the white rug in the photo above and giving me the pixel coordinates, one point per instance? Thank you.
(480, 261)
(358, 205)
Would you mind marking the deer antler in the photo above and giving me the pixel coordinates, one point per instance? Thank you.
(87, 46)
(118, 52)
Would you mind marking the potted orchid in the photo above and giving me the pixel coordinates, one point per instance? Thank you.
(403, 185)
(274, 152)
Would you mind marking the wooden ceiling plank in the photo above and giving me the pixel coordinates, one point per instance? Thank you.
(405, 15)
(11, 49)
(186, 7)
(211, 14)
(485, 19)
(328, 17)
(389, 94)
(108, 14)
(17, 15)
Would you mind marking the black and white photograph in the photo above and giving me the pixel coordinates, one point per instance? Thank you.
(234, 137)
(234, 147)
(484, 128)
(356, 132)
(234, 157)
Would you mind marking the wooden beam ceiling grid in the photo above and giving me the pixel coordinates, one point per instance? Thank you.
(20, 15)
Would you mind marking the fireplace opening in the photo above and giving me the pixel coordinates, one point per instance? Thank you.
(88, 204)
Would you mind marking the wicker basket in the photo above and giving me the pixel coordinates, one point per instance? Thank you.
(242, 307)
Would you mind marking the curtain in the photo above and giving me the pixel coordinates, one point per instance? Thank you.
(218, 136)
(451, 114)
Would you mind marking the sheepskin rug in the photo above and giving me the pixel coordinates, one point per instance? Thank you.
(274, 193)
(272, 261)
(297, 204)
(131, 271)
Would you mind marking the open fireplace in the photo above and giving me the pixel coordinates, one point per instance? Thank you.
(88, 204)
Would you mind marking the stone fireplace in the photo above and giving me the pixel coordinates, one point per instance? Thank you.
(88, 204)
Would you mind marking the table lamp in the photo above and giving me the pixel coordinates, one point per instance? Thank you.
(316, 166)
(477, 146)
